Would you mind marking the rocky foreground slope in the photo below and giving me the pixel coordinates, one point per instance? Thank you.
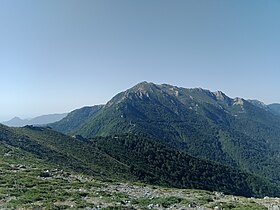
(31, 187)
(30, 183)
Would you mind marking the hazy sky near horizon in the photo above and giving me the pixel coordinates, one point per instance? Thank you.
(58, 55)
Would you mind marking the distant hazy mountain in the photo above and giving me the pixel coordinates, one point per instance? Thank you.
(40, 120)
(16, 122)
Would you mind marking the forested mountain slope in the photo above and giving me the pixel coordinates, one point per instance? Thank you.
(204, 124)
(129, 157)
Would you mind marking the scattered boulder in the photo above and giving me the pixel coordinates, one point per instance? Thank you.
(45, 174)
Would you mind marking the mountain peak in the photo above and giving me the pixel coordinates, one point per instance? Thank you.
(141, 89)
(16, 121)
(16, 118)
(143, 84)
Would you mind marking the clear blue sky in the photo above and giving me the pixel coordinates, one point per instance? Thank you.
(58, 55)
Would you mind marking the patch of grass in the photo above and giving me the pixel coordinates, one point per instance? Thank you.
(119, 197)
(162, 201)
(118, 208)
(204, 200)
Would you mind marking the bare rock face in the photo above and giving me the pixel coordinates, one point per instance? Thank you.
(238, 101)
(274, 207)
(220, 95)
